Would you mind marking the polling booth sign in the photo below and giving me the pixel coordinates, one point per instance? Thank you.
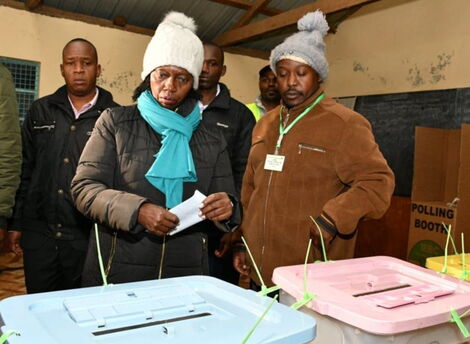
(440, 192)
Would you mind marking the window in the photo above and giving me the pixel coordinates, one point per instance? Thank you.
(26, 78)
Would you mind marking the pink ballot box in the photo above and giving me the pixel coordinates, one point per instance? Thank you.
(378, 300)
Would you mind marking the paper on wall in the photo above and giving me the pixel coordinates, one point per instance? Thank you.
(188, 212)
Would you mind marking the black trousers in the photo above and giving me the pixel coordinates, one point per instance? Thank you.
(51, 264)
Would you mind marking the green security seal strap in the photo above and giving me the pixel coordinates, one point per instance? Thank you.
(455, 317)
(100, 258)
(451, 239)
(321, 238)
(307, 297)
(7, 335)
(264, 289)
(465, 271)
(259, 320)
(444, 267)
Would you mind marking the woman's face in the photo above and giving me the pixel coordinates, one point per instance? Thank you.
(170, 85)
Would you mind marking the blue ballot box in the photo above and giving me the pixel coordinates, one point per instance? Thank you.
(194, 309)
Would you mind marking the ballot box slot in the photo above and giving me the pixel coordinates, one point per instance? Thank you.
(382, 290)
(152, 323)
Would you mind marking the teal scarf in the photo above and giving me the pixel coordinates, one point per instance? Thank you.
(174, 162)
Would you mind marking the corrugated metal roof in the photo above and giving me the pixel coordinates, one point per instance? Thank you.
(212, 18)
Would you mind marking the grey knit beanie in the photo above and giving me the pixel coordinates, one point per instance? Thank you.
(306, 46)
(175, 43)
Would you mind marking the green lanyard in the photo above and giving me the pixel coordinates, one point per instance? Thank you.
(283, 131)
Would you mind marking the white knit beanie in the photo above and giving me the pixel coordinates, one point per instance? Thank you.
(306, 46)
(175, 44)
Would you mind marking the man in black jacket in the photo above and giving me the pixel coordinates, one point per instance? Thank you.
(54, 235)
(236, 122)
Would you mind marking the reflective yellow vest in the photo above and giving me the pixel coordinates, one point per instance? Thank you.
(255, 110)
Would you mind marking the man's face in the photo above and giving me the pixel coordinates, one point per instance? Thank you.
(170, 85)
(80, 68)
(268, 87)
(296, 81)
(212, 69)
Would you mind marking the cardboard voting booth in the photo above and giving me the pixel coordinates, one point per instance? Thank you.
(195, 309)
(441, 191)
(377, 300)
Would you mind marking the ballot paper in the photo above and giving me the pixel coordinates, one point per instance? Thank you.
(188, 212)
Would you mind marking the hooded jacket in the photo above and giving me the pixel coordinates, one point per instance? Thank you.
(52, 143)
(332, 166)
(110, 186)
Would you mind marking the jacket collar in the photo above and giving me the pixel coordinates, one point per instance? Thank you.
(222, 101)
(296, 110)
(60, 98)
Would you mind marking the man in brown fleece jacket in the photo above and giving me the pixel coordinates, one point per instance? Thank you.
(310, 157)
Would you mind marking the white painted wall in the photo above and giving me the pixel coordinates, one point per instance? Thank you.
(393, 46)
(40, 38)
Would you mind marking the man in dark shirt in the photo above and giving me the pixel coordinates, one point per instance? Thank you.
(236, 122)
(54, 235)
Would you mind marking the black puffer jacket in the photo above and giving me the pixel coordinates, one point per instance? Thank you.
(52, 143)
(110, 186)
(236, 123)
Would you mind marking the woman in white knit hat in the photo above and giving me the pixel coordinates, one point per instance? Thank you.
(144, 159)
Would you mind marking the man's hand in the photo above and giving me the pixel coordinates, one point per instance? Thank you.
(225, 245)
(156, 220)
(216, 207)
(316, 240)
(14, 242)
(240, 262)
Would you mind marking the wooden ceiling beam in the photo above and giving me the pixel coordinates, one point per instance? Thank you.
(254, 9)
(55, 12)
(31, 5)
(254, 30)
(261, 54)
(120, 21)
(246, 5)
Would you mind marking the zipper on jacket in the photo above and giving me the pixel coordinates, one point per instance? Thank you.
(111, 254)
(48, 127)
(310, 147)
(264, 221)
(276, 151)
(160, 270)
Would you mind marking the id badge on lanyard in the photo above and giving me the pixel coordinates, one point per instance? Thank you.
(275, 162)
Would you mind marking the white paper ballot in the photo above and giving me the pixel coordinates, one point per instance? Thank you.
(188, 212)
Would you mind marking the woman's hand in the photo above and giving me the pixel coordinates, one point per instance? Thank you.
(156, 220)
(216, 207)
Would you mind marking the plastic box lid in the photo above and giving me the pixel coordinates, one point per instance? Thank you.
(454, 265)
(195, 309)
(381, 295)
